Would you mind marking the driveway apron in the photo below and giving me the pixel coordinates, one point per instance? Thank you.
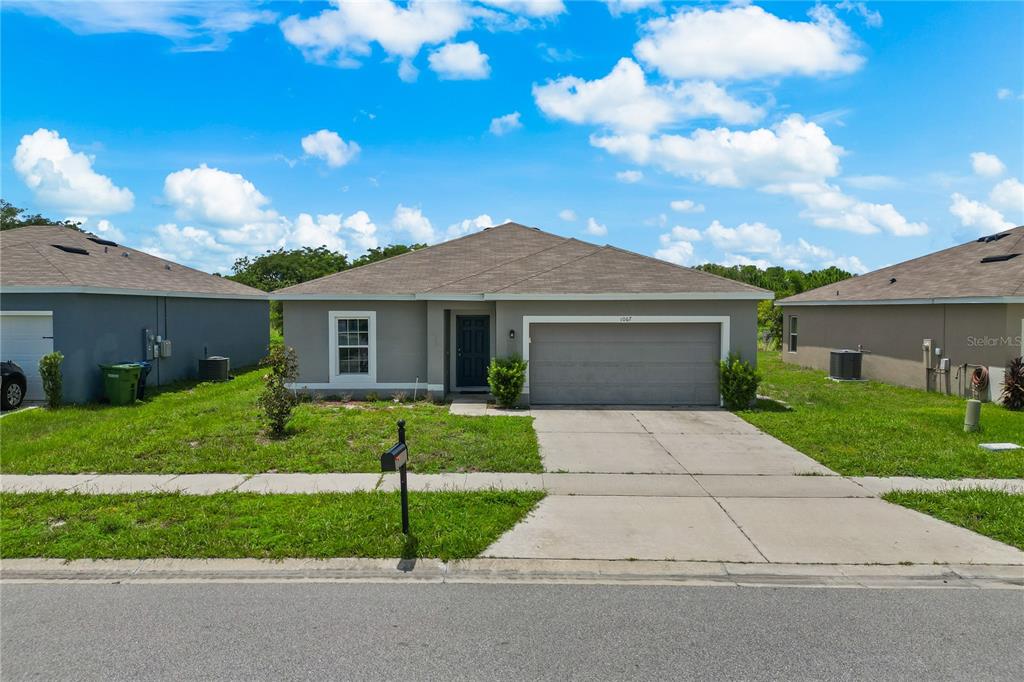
(704, 485)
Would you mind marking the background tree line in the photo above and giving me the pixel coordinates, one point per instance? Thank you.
(781, 281)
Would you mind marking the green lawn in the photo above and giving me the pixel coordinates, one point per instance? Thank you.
(996, 514)
(217, 428)
(446, 525)
(873, 429)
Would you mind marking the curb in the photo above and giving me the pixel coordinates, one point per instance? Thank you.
(508, 571)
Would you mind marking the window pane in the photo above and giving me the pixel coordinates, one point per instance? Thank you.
(792, 325)
(353, 361)
(342, 325)
(364, 339)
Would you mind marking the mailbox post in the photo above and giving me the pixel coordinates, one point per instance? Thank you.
(396, 459)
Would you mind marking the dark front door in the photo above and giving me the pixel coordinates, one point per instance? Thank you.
(472, 349)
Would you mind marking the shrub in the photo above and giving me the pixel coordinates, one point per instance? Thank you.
(739, 382)
(371, 396)
(53, 381)
(399, 397)
(506, 377)
(277, 401)
(1013, 385)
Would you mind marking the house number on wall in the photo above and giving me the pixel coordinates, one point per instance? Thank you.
(625, 318)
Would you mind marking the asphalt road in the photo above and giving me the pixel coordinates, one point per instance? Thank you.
(393, 631)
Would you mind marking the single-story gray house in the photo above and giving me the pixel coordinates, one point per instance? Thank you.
(596, 324)
(924, 323)
(97, 302)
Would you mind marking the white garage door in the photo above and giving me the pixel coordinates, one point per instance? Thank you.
(628, 364)
(24, 339)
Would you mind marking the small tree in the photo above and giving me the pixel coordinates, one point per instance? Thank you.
(769, 323)
(53, 380)
(277, 401)
(1013, 385)
(739, 382)
(506, 377)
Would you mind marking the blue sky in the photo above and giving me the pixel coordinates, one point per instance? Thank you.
(799, 134)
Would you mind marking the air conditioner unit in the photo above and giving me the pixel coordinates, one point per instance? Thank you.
(845, 365)
(215, 368)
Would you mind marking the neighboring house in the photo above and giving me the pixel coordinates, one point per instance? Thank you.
(966, 303)
(597, 324)
(98, 302)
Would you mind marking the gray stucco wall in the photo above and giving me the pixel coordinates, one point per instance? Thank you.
(984, 334)
(414, 338)
(93, 329)
(401, 338)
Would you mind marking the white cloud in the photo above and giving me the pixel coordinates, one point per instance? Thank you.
(741, 260)
(1008, 195)
(690, 234)
(325, 230)
(361, 230)
(502, 125)
(850, 264)
(346, 32)
(686, 206)
(794, 157)
(675, 248)
(791, 151)
(747, 42)
(64, 180)
(1004, 93)
(871, 17)
(464, 227)
(629, 176)
(460, 61)
(746, 238)
(568, 215)
(103, 228)
(987, 165)
(529, 8)
(328, 145)
(414, 223)
(215, 196)
(595, 228)
(620, 7)
(193, 25)
(624, 102)
(982, 217)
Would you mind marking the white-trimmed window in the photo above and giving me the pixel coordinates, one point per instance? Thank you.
(353, 345)
(792, 333)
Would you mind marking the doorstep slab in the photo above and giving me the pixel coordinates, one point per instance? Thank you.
(781, 486)
(599, 527)
(605, 453)
(41, 483)
(203, 484)
(468, 409)
(866, 530)
(580, 420)
(757, 454)
(695, 422)
(641, 485)
(309, 483)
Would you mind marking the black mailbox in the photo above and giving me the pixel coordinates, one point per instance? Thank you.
(395, 458)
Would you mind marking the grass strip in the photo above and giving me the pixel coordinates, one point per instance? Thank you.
(445, 525)
(993, 513)
(874, 429)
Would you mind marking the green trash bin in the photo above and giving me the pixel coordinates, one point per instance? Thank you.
(120, 383)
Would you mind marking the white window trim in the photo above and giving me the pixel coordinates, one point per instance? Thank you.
(352, 380)
(721, 320)
(790, 334)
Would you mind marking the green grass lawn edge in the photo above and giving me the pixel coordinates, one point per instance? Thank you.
(993, 513)
(443, 525)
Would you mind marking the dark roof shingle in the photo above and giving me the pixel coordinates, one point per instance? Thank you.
(957, 272)
(29, 258)
(513, 259)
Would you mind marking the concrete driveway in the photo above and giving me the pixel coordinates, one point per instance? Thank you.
(704, 485)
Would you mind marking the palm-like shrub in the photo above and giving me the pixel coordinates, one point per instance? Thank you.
(1013, 385)
(53, 379)
(506, 378)
(738, 382)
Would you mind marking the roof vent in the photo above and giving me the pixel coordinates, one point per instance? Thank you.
(892, 280)
(124, 255)
(104, 242)
(992, 238)
(999, 259)
(70, 249)
(167, 266)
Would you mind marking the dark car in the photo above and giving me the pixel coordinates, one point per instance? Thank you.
(13, 385)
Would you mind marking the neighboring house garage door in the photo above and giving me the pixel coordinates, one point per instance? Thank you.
(25, 338)
(634, 363)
